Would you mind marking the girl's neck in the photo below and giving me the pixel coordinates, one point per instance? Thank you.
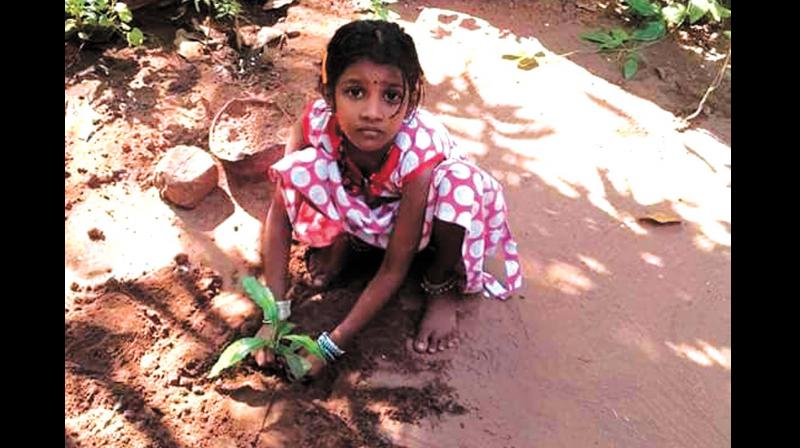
(367, 161)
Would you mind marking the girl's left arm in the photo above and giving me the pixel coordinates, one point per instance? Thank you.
(403, 245)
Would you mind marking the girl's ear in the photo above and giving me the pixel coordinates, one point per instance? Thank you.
(327, 94)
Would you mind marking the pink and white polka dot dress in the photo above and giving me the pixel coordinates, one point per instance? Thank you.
(320, 206)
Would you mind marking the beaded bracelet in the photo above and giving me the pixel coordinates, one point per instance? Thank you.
(438, 288)
(329, 349)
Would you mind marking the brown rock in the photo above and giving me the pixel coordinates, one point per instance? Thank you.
(185, 175)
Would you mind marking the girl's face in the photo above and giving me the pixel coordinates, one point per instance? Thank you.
(370, 106)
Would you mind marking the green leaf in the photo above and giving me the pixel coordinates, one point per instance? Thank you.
(607, 39)
(620, 35)
(719, 12)
(652, 31)
(512, 57)
(105, 21)
(600, 37)
(307, 343)
(135, 37)
(70, 25)
(715, 14)
(263, 297)
(527, 64)
(293, 347)
(298, 366)
(643, 7)
(631, 66)
(611, 45)
(235, 353)
(123, 12)
(727, 34)
(540, 54)
(283, 329)
(674, 14)
(697, 9)
(73, 7)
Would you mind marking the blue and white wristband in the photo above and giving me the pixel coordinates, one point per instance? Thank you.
(329, 349)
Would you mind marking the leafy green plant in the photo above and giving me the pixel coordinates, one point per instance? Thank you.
(222, 9)
(655, 19)
(283, 344)
(378, 8)
(620, 41)
(676, 13)
(99, 20)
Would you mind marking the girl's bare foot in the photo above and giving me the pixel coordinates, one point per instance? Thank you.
(438, 328)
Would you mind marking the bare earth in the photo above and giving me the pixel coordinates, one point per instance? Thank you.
(621, 336)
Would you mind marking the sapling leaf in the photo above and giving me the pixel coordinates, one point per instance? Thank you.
(263, 297)
(236, 352)
(298, 365)
(652, 31)
(307, 343)
(631, 66)
(283, 329)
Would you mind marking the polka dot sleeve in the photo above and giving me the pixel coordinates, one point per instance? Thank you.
(424, 143)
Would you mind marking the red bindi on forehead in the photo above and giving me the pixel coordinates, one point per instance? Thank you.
(376, 77)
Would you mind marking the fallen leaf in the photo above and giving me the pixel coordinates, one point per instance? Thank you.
(527, 64)
(661, 218)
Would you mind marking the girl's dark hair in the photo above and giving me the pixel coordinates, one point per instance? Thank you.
(380, 42)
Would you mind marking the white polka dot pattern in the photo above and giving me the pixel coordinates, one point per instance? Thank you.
(319, 208)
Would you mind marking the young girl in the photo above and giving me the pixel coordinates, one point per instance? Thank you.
(376, 169)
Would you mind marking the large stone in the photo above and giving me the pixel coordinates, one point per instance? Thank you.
(185, 175)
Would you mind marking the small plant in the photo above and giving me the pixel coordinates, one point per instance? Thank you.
(655, 21)
(283, 344)
(222, 9)
(99, 20)
(377, 8)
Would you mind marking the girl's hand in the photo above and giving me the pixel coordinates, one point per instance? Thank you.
(263, 356)
(317, 365)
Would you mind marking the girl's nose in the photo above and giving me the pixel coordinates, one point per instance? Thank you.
(372, 108)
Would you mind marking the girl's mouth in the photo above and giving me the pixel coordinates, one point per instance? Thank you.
(370, 132)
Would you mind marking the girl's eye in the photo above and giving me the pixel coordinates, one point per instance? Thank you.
(393, 96)
(355, 92)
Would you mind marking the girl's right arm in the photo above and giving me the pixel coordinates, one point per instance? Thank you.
(276, 233)
(275, 245)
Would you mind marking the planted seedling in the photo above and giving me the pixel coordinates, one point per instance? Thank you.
(283, 343)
